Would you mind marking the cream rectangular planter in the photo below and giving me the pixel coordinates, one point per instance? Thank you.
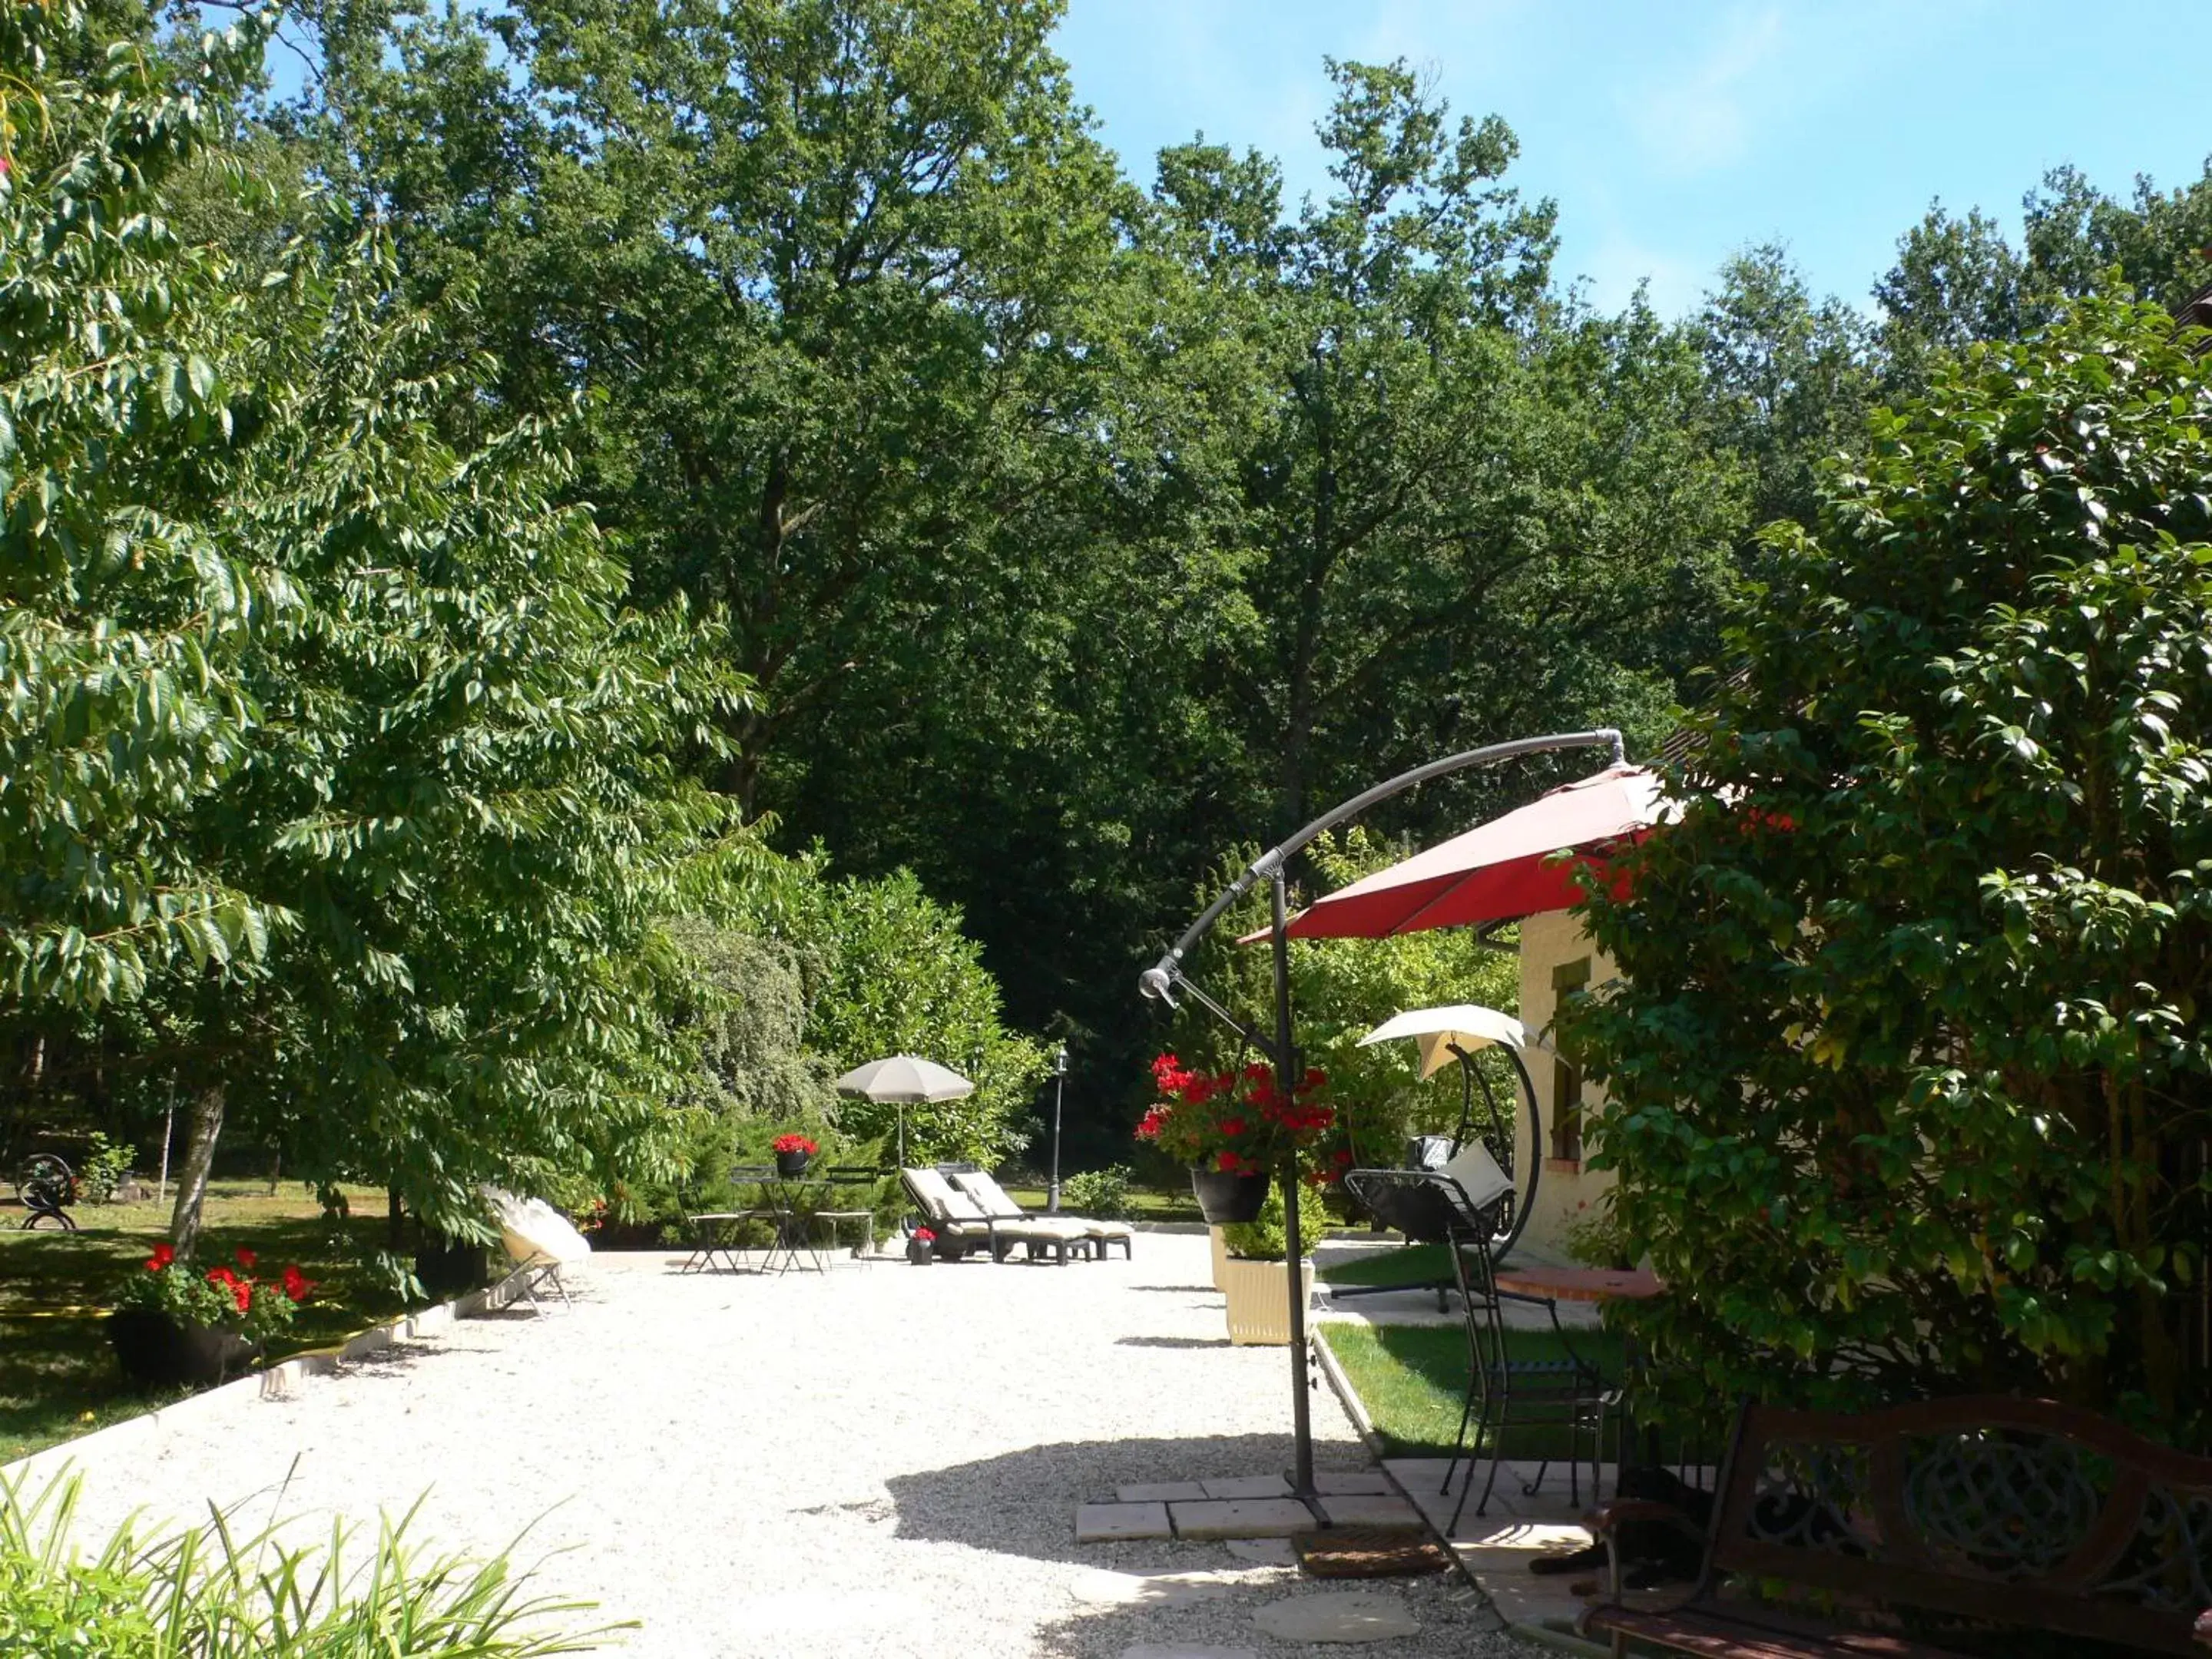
(1259, 1299)
(1221, 1259)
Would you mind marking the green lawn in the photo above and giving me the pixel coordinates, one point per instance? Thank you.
(1414, 1264)
(59, 1379)
(1411, 1378)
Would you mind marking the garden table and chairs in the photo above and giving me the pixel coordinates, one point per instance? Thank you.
(790, 1206)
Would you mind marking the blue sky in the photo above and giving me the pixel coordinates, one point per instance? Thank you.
(1674, 132)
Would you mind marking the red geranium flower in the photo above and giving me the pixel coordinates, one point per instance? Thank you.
(297, 1285)
(163, 1256)
(247, 1259)
(793, 1144)
(1230, 1163)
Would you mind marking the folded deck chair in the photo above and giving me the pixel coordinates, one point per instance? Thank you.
(958, 1220)
(539, 1242)
(982, 1186)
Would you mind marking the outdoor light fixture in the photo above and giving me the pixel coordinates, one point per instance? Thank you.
(1058, 1088)
(1164, 981)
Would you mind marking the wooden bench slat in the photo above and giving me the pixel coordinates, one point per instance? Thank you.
(1719, 1636)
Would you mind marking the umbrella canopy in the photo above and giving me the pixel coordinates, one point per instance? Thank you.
(904, 1078)
(903, 1081)
(1498, 870)
(1465, 1025)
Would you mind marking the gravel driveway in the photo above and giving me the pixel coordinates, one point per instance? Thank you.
(880, 1461)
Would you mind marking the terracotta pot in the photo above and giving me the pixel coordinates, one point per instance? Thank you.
(155, 1350)
(1224, 1198)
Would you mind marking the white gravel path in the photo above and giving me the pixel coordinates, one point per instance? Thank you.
(883, 1461)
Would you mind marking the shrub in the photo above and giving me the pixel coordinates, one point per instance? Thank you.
(213, 1594)
(1907, 1065)
(105, 1166)
(1100, 1193)
(1267, 1239)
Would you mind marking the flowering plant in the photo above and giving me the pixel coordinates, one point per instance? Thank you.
(923, 1236)
(793, 1143)
(1237, 1121)
(226, 1297)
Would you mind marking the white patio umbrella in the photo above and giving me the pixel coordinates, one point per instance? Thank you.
(903, 1080)
(1466, 1026)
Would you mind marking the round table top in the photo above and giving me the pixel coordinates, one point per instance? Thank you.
(1579, 1283)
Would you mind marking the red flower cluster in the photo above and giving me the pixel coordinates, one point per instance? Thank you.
(1237, 1120)
(298, 1288)
(163, 1256)
(241, 1289)
(793, 1144)
(923, 1236)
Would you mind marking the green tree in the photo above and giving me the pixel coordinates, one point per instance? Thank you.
(889, 971)
(1442, 502)
(1790, 382)
(1956, 281)
(2160, 242)
(327, 743)
(1905, 1064)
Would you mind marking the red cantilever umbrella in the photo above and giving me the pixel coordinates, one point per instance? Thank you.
(1504, 868)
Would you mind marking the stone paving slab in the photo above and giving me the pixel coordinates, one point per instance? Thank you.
(1350, 1482)
(1371, 1509)
(1495, 1549)
(1162, 1491)
(1247, 1486)
(1344, 1616)
(1096, 1523)
(1178, 1650)
(1254, 1517)
(1264, 1551)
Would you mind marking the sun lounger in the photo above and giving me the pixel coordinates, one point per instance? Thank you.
(959, 1222)
(984, 1188)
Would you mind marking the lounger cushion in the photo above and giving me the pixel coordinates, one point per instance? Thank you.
(985, 1190)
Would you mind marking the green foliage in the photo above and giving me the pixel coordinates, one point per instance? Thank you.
(1268, 1237)
(214, 1593)
(326, 738)
(102, 1169)
(1906, 1066)
(894, 973)
(1340, 990)
(1103, 1194)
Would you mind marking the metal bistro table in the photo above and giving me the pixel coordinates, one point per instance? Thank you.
(1589, 1284)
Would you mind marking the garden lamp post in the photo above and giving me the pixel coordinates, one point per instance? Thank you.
(1058, 1089)
(1165, 981)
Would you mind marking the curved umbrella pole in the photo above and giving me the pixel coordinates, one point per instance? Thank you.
(1165, 978)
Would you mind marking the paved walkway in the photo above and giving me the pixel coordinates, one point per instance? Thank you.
(885, 1461)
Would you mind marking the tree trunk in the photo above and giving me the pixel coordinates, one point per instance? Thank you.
(202, 1126)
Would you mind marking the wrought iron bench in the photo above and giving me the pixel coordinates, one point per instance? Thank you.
(1929, 1530)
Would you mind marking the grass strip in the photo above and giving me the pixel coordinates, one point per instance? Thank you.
(1412, 1379)
(1415, 1264)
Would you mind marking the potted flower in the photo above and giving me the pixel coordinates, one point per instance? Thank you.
(921, 1247)
(1254, 1272)
(173, 1324)
(792, 1154)
(1233, 1129)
